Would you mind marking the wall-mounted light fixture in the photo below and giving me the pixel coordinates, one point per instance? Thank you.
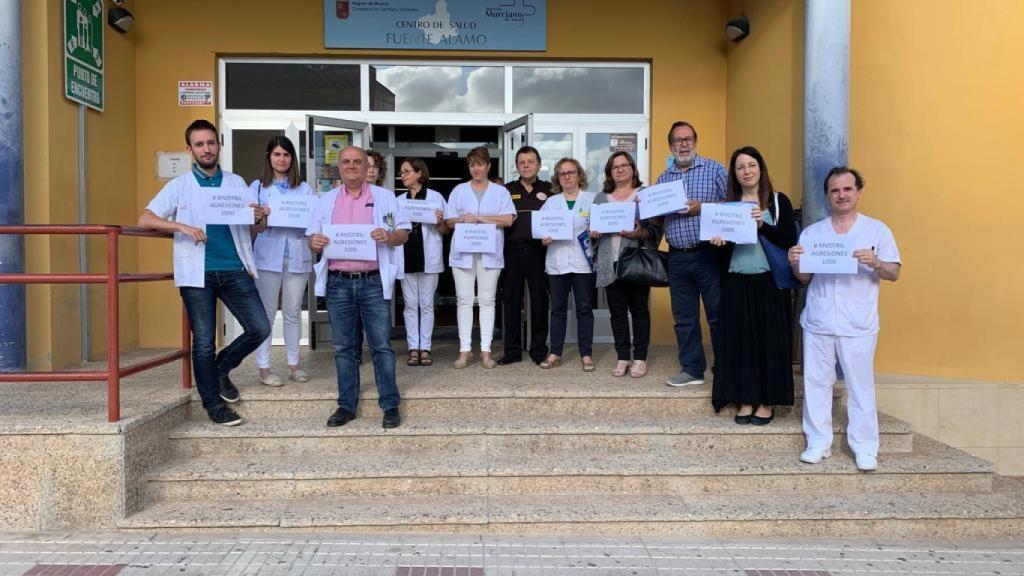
(738, 28)
(119, 18)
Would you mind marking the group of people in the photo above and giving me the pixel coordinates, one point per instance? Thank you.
(251, 268)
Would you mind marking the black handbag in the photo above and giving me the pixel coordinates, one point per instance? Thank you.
(645, 266)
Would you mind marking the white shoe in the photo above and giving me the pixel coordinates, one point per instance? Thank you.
(815, 455)
(271, 380)
(298, 375)
(866, 462)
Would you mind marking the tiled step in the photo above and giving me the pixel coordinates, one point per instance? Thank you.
(839, 514)
(511, 468)
(704, 433)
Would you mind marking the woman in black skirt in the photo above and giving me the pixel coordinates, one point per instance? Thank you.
(753, 356)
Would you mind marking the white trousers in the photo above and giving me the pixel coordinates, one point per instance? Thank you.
(857, 359)
(485, 282)
(418, 292)
(291, 287)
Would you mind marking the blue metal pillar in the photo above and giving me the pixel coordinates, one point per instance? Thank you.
(826, 98)
(12, 205)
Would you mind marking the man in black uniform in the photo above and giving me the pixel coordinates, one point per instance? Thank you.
(524, 261)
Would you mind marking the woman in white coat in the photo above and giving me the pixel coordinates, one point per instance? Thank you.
(282, 258)
(420, 261)
(569, 265)
(478, 201)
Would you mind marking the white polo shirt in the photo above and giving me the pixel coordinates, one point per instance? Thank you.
(847, 304)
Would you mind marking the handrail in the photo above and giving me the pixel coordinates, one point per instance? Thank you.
(113, 279)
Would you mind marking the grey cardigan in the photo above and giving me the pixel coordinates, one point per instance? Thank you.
(602, 247)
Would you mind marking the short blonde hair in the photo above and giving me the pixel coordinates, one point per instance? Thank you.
(556, 187)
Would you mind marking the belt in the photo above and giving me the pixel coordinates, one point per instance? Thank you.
(353, 275)
(693, 248)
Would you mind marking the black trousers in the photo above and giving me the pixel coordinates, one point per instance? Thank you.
(625, 300)
(524, 264)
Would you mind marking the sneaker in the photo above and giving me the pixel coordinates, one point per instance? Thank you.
(683, 379)
(271, 380)
(228, 391)
(225, 417)
(866, 462)
(815, 455)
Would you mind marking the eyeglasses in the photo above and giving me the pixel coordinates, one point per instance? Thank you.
(620, 166)
(568, 173)
(406, 172)
(688, 140)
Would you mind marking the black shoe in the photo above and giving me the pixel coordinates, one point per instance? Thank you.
(743, 420)
(392, 419)
(228, 391)
(340, 418)
(506, 360)
(225, 417)
(759, 420)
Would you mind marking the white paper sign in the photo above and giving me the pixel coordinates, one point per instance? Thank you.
(828, 255)
(422, 211)
(224, 205)
(728, 220)
(554, 224)
(662, 199)
(350, 242)
(475, 238)
(613, 217)
(290, 210)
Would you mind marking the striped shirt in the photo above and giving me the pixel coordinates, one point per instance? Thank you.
(706, 181)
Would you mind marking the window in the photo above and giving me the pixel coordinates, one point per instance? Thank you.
(437, 88)
(275, 86)
(578, 90)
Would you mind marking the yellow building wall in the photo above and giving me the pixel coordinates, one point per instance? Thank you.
(51, 187)
(181, 40)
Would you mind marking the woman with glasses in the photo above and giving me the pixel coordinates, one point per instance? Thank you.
(621, 184)
(476, 273)
(420, 262)
(282, 258)
(753, 362)
(568, 264)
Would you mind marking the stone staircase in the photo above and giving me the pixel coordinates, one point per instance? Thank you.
(521, 450)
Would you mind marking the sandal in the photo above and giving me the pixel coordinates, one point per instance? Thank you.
(551, 362)
(621, 368)
(463, 360)
(588, 364)
(414, 358)
(425, 359)
(639, 369)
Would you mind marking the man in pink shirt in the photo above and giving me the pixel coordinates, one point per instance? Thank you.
(360, 289)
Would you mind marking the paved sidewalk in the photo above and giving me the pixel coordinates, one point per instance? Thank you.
(372, 555)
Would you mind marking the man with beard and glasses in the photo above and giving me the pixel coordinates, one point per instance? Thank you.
(211, 261)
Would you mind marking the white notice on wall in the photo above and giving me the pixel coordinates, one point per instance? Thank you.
(290, 210)
(350, 242)
(661, 199)
(554, 224)
(195, 93)
(475, 238)
(729, 221)
(418, 210)
(224, 205)
(830, 254)
(613, 217)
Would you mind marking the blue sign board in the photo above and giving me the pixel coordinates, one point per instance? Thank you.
(436, 25)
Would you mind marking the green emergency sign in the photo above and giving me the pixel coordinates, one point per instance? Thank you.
(83, 52)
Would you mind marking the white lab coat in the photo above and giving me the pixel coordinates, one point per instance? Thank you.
(566, 256)
(270, 244)
(385, 207)
(433, 259)
(496, 202)
(174, 202)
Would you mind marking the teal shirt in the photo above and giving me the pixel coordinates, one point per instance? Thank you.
(750, 258)
(221, 255)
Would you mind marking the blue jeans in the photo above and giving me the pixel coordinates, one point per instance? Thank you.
(350, 300)
(237, 291)
(691, 277)
(582, 286)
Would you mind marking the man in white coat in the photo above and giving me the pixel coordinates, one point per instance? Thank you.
(360, 289)
(211, 262)
(840, 320)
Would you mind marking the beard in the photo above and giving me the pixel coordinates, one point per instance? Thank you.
(210, 165)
